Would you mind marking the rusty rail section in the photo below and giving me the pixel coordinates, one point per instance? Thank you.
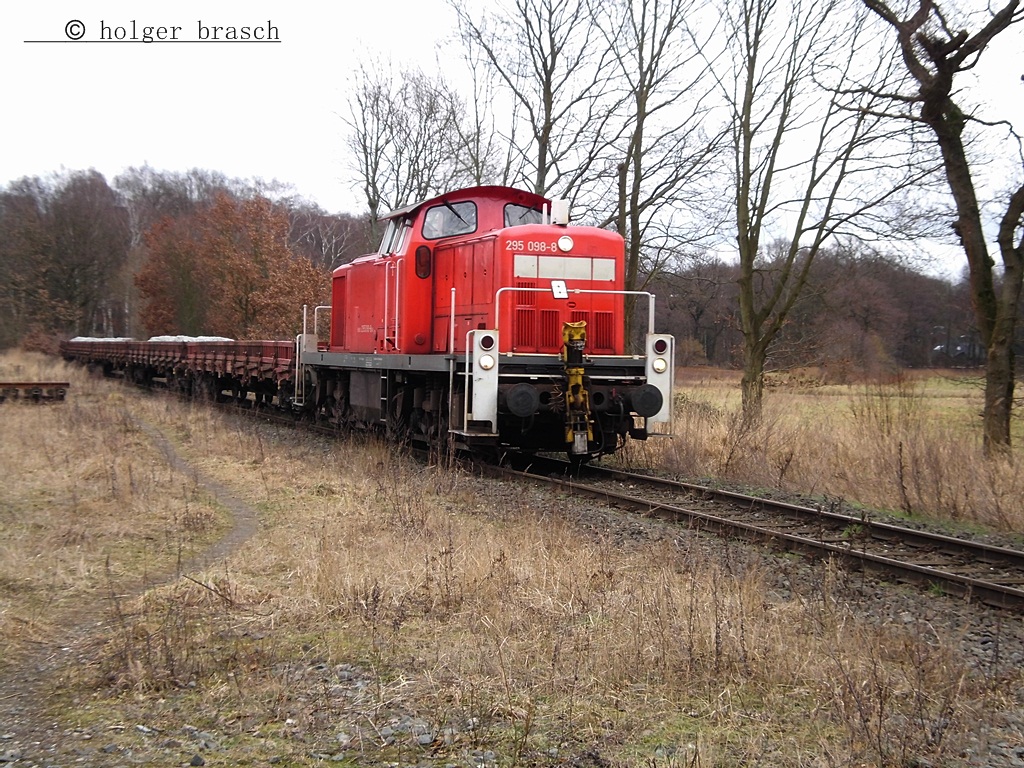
(34, 391)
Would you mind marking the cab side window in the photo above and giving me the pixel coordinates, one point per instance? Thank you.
(394, 237)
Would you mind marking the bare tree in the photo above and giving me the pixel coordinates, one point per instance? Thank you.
(26, 243)
(662, 150)
(327, 240)
(404, 133)
(485, 155)
(696, 298)
(90, 246)
(936, 45)
(149, 195)
(808, 163)
(550, 57)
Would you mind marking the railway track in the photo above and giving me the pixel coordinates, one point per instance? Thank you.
(33, 391)
(974, 571)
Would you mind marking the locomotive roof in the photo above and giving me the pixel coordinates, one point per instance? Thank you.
(504, 194)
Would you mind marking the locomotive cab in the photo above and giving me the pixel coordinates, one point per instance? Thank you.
(485, 319)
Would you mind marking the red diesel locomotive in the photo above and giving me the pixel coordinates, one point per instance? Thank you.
(483, 319)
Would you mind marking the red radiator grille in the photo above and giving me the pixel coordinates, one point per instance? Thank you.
(599, 329)
(603, 338)
(526, 298)
(550, 331)
(525, 338)
(540, 330)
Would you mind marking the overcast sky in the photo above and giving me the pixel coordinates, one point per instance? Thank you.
(266, 110)
(248, 110)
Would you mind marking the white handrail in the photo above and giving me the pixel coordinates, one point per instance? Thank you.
(389, 267)
(316, 319)
(385, 319)
(299, 388)
(451, 362)
(398, 305)
(465, 385)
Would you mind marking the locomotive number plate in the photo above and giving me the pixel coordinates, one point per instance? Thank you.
(532, 246)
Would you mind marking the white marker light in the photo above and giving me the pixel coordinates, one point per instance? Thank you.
(565, 243)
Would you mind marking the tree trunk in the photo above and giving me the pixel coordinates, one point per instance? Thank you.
(998, 398)
(752, 383)
(999, 371)
(631, 266)
(934, 54)
(996, 315)
(999, 361)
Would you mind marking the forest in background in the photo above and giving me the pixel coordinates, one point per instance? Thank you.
(154, 253)
(162, 253)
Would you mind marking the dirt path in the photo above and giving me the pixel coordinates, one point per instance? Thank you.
(27, 737)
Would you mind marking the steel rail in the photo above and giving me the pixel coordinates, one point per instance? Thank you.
(999, 594)
(876, 528)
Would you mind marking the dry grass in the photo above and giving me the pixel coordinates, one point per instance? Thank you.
(394, 613)
(549, 642)
(87, 503)
(910, 445)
